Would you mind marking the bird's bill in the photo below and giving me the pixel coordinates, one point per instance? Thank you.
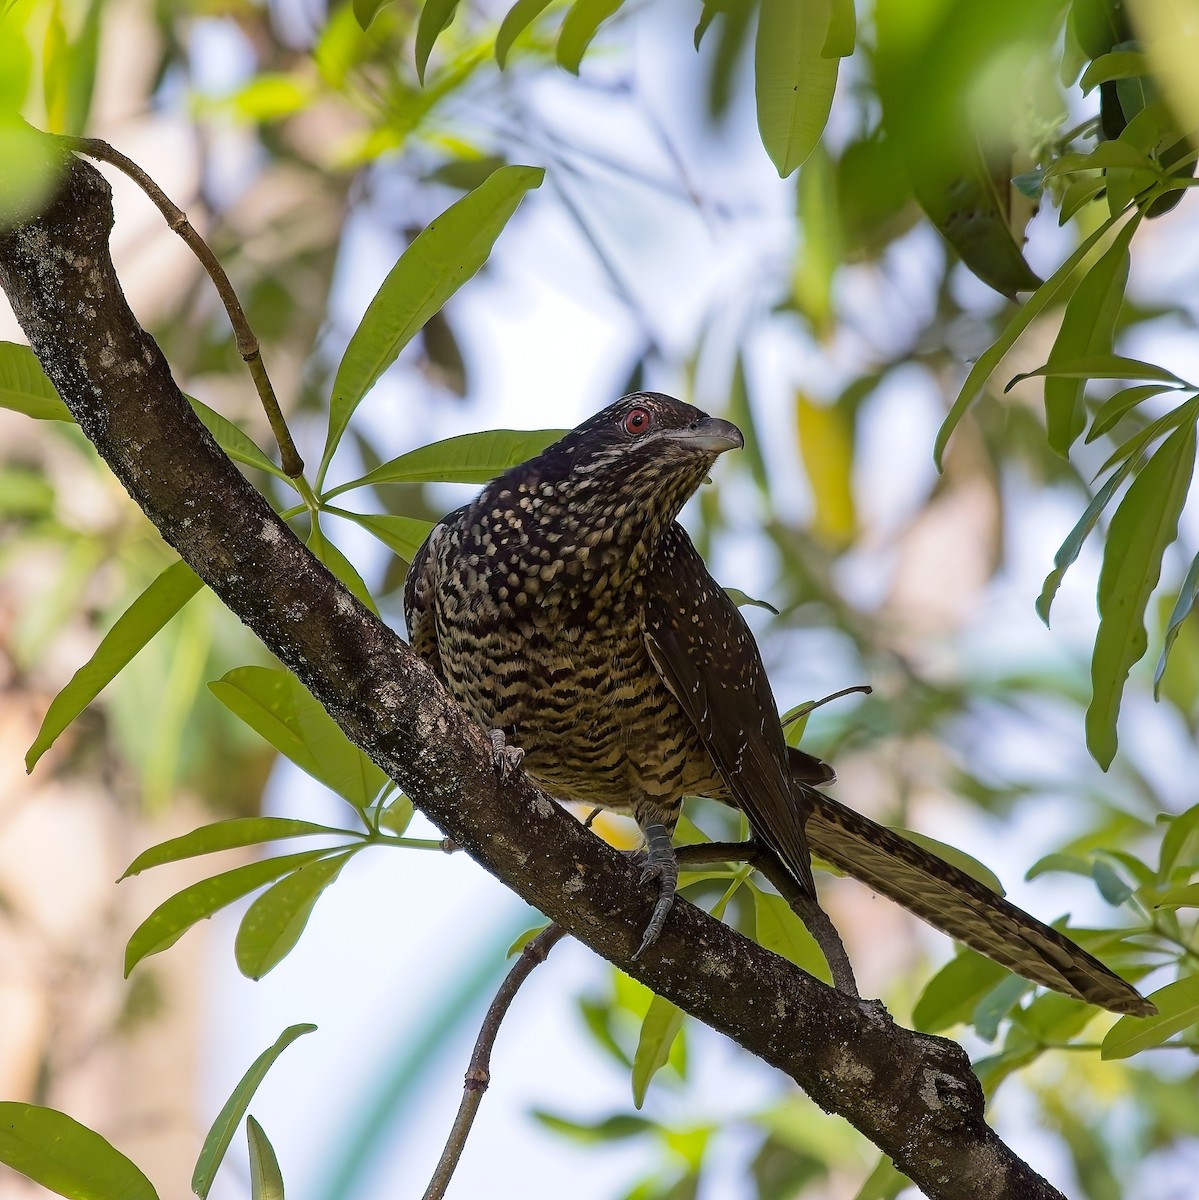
(712, 435)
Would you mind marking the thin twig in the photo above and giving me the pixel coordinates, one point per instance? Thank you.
(478, 1074)
(759, 855)
(804, 709)
(247, 343)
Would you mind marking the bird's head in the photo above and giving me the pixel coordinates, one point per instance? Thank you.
(615, 482)
(649, 448)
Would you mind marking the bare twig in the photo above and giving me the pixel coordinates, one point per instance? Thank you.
(478, 1073)
(761, 857)
(247, 343)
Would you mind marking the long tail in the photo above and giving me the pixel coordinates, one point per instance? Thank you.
(953, 902)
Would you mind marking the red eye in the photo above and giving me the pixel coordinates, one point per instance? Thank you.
(638, 421)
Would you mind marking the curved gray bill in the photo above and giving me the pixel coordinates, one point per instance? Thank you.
(712, 434)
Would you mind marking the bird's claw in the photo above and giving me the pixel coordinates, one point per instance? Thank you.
(507, 758)
(660, 864)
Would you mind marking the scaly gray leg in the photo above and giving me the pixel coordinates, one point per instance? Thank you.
(507, 758)
(660, 864)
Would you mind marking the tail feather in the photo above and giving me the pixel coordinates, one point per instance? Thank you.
(959, 905)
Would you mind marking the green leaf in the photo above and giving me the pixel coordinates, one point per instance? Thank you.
(842, 30)
(523, 939)
(341, 566)
(266, 1180)
(441, 258)
(397, 816)
(1177, 1009)
(1102, 366)
(278, 706)
(579, 27)
(1143, 438)
(229, 1118)
(793, 80)
(132, 630)
(1111, 887)
(1071, 547)
(996, 1005)
(435, 15)
(779, 929)
(608, 1129)
(467, 458)
(273, 923)
(518, 18)
(365, 11)
(742, 600)
(1070, 864)
(954, 856)
(661, 1026)
(1087, 329)
(885, 1182)
(224, 835)
(239, 446)
(955, 991)
(993, 355)
(1186, 896)
(1182, 608)
(1117, 406)
(402, 535)
(24, 387)
(1177, 839)
(174, 917)
(1142, 527)
(54, 1150)
(1119, 64)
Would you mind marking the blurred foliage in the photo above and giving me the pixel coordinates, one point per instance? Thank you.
(924, 141)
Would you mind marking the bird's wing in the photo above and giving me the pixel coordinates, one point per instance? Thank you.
(959, 905)
(709, 660)
(420, 590)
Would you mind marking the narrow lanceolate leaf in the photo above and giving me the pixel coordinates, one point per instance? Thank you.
(1182, 609)
(467, 458)
(441, 258)
(401, 535)
(1177, 1009)
(794, 81)
(278, 706)
(1070, 548)
(990, 358)
(174, 917)
(1143, 526)
(229, 1118)
(434, 17)
(658, 1031)
(238, 445)
(518, 18)
(224, 835)
(266, 1180)
(955, 991)
(579, 27)
(133, 629)
(24, 387)
(273, 923)
(366, 10)
(341, 566)
(1102, 366)
(780, 930)
(1088, 327)
(1109, 414)
(54, 1150)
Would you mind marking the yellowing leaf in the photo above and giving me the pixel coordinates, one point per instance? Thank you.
(826, 448)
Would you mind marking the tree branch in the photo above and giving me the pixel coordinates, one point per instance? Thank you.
(913, 1095)
(478, 1073)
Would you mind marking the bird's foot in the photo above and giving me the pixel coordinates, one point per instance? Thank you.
(660, 864)
(507, 758)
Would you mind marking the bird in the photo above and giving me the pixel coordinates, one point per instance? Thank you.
(568, 612)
